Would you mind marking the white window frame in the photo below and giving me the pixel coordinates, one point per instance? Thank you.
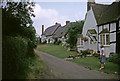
(105, 39)
(81, 41)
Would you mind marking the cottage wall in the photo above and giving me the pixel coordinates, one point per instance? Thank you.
(112, 47)
(90, 22)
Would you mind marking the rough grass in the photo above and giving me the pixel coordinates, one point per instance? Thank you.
(36, 68)
(88, 62)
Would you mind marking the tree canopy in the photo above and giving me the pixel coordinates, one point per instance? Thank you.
(75, 29)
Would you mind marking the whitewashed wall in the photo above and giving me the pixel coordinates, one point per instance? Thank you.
(107, 51)
(113, 48)
(90, 22)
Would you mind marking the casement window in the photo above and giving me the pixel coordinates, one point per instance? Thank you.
(81, 42)
(105, 39)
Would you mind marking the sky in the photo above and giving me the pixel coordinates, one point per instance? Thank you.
(48, 13)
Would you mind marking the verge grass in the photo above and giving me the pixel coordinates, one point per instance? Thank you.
(36, 68)
(88, 62)
(55, 50)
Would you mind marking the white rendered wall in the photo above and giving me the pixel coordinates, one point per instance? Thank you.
(113, 48)
(90, 22)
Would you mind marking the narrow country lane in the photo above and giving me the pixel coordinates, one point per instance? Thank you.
(61, 69)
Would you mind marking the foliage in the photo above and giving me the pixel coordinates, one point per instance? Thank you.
(44, 42)
(58, 42)
(55, 40)
(15, 56)
(18, 36)
(84, 38)
(85, 52)
(114, 59)
(73, 32)
(96, 55)
(89, 62)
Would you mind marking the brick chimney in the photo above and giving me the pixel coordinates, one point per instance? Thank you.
(67, 22)
(42, 29)
(89, 4)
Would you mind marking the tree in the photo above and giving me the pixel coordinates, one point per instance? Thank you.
(74, 30)
(18, 39)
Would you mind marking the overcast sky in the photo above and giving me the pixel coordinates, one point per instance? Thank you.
(48, 13)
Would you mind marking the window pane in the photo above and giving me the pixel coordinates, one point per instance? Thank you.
(107, 39)
(103, 39)
(81, 42)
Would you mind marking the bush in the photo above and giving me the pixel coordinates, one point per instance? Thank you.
(114, 59)
(45, 42)
(96, 55)
(58, 42)
(15, 57)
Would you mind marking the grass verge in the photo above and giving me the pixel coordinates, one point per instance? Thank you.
(88, 62)
(55, 50)
(36, 68)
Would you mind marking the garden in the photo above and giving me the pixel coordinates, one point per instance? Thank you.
(90, 61)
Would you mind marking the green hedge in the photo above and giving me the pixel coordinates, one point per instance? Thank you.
(114, 59)
(15, 57)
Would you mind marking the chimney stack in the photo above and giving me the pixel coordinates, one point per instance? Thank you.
(42, 29)
(58, 24)
(89, 4)
(67, 22)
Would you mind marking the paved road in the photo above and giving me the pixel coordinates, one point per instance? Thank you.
(61, 69)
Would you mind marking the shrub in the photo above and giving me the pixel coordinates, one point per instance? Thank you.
(114, 59)
(96, 55)
(15, 58)
(58, 42)
(44, 42)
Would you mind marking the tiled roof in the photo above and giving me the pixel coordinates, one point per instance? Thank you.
(112, 13)
(51, 30)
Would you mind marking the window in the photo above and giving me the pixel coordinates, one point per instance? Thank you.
(90, 41)
(101, 39)
(105, 39)
(81, 41)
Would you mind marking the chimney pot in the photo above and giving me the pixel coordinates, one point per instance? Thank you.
(67, 22)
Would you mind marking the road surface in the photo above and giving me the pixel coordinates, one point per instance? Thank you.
(61, 69)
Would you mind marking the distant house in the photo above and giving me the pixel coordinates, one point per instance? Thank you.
(100, 28)
(61, 32)
(37, 38)
(55, 31)
(47, 35)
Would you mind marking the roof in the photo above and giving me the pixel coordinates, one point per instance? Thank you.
(61, 31)
(51, 30)
(92, 31)
(112, 13)
(98, 9)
